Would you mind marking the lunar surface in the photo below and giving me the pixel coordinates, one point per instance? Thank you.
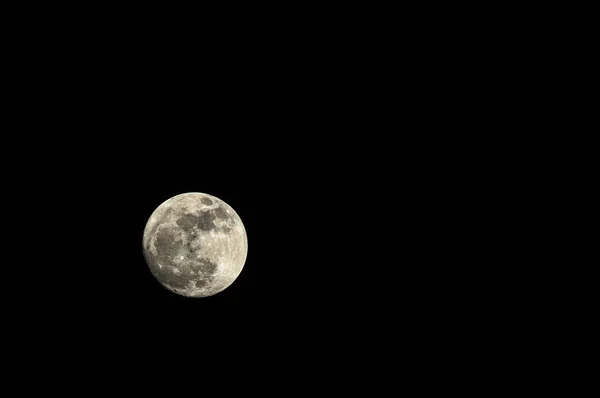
(195, 244)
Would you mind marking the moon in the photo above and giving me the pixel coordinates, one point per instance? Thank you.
(195, 244)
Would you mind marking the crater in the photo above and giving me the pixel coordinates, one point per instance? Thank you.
(188, 244)
(206, 201)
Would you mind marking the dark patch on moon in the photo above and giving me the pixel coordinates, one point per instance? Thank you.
(201, 282)
(206, 266)
(165, 245)
(206, 201)
(205, 221)
(186, 222)
(226, 229)
(221, 213)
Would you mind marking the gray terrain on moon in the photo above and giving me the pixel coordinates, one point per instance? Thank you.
(195, 244)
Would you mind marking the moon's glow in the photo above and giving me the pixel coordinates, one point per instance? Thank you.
(195, 244)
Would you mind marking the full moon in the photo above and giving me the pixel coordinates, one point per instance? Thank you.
(195, 244)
